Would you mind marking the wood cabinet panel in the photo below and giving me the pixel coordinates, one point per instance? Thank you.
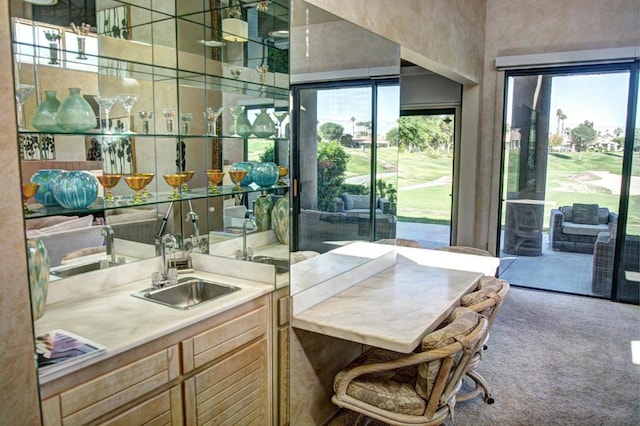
(163, 409)
(104, 394)
(224, 338)
(232, 391)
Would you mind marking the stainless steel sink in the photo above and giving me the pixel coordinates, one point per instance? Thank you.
(282, 265)
(188, 293)
(75, 270)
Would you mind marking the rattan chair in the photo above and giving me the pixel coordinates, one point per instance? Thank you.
(486, 300)
(466, 250)
(418, 388)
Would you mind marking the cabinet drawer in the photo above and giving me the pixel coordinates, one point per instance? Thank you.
(104, 394)
(224, 338)
(232, 392)
(163, 409)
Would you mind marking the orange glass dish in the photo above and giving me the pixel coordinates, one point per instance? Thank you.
(148, 178)
(188, 175)
(215, 179)
(237, 176)
(137, 183)
(28, 191)
(109, 182)
(175, 181)
(282, 172)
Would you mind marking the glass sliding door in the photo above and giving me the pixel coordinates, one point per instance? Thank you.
(563, 155)
(340, 147)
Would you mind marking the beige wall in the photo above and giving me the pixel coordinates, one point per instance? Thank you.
(19, 402)
(516, 27)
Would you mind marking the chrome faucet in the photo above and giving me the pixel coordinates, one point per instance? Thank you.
(246, 253)
(193, 218)
(108, 233)
(166, 238)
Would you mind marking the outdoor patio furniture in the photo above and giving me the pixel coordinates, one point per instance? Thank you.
(603, 257)
(576, 228)
(523, 227)
(415, 388)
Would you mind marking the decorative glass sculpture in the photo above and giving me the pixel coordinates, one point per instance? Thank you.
(45, 178)
(265, 174)
(263, 126)
(75, 189)
(262, 212)
(75, 114)
(280, 219)
(44, 117)
(38, 264)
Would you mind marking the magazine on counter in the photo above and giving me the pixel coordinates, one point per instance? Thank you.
(59, 349)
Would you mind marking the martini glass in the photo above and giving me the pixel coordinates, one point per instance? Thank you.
(28, 191)
(188, 175)
(281, 116)
(136, 183)
(215, 179)
(235, 113)
(175, 181)
(211, 116)
(23, 91)
(237, 176)
(109, 182)
(148, 178)
(105, 103)
(128, 100)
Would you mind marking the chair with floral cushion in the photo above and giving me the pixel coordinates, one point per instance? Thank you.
(418, 388)
(485, 300)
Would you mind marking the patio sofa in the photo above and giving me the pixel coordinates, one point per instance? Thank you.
(603, 256)
(354, 205)
(576, 228)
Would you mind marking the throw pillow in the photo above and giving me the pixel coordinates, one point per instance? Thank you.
(81, 222)
(360, 201)
(585, 214)
(567, 211)
(603, 215)
(348, 201)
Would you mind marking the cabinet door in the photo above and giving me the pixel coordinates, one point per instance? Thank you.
(234, 391)
(107, 393)
(163, 409)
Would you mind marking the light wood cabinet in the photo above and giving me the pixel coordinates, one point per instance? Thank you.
(280, 355)
(214, 372)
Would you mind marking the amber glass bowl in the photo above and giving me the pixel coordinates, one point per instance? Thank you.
(215, 179)
(28, 191)
(148, 178)
(282, 172)
(237, 176)
(175, 180)
(136, 183)
(109, 182)
(188, 175)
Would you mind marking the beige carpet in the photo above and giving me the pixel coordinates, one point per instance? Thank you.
(556, 359)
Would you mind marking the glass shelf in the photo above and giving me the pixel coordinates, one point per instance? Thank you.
(154, 198)
(151, 135)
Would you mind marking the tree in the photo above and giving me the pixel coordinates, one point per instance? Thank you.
(583, 135)
(422, 133)
(330, 131)
(555, 141)
(353, 125)
(332, 164)
(560, 123)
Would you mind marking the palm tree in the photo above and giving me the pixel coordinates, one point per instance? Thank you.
(353, 126)
(560, 123)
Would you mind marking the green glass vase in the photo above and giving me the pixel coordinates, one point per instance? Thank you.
(75, 114)
(45, 116)
(262, 212)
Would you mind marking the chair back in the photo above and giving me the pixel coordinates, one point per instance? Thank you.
(487, 298)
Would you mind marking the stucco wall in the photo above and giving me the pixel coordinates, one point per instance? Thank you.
(516, 27)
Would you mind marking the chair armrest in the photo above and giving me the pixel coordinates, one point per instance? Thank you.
(555, 224)
(384, 205)
(613, 217)
(339, 205)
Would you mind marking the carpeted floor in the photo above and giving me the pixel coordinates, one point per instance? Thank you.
(557, 360)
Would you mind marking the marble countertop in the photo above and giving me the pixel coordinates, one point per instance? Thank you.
(109, 315)
(389, 301)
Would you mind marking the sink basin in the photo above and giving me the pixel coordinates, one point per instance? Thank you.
(75, 270)
(282, 265)
(188, 293)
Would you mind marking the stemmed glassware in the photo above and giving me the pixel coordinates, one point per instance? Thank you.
(188, 175)
(236, 177)
(169, 114)
(148, 178)
(211, 116)
(128, 100)
(235, 113)
(281, 116)
(28, 191)
(145, 116)
(262, 72)
(137, 183)
(109, 182)
(105, 103)
(215, 179)
(23, 91)
(175, 181)
(282, 172)
(186, 118)
(235, 72)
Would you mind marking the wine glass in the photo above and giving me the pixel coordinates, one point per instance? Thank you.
(169, 114)
(28, 191)
(175, 181)
(128, 100)
(109, 182)
(186, 119)
(23, 91)
(105, 103)
(235, 113)
(235, 72)
(262, 72)
(145, 116)
(281, 116)
(188, 175)
(211, 116)
(237, 176)
(136, 183)
(215, 179)
(148, 178)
